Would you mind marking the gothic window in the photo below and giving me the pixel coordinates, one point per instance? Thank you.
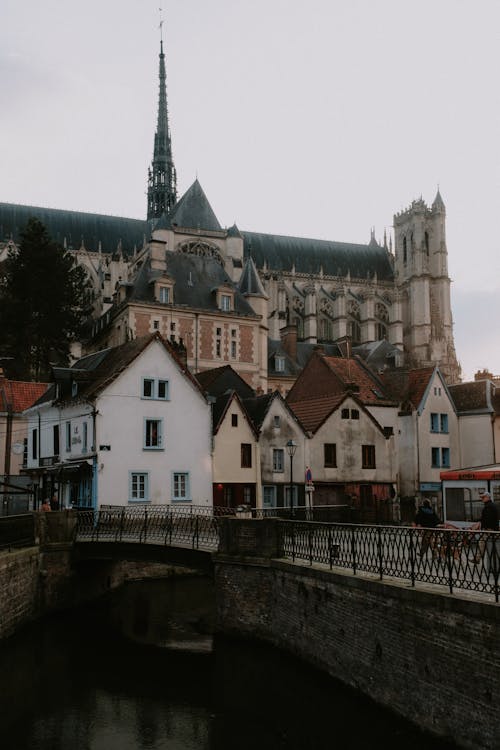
(325, 329)
(405, 250)
(426, 240)
(354, 322)
(300, 327)
(202, 249)
(381, 321)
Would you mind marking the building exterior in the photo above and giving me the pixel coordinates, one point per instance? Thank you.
(475, 403)
(127, 425)
(326, 290)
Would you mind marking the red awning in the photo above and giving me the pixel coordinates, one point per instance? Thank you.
(471, 474)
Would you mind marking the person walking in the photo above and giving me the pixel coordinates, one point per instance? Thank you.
(489, 546)
(426, 519)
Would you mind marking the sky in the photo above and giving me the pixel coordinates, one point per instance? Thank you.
(320, 119)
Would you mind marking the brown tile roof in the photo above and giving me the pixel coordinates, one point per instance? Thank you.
(418, 380)
(312, 412)
(19, 395)
(350, 370)
(407, 385)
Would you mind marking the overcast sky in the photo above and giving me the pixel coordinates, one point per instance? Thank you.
(319, 119)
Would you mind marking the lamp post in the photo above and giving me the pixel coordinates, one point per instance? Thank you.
(291, 447)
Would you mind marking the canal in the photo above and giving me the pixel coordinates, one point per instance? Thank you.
(141, 669)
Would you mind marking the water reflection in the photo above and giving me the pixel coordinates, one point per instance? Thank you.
(94, 680)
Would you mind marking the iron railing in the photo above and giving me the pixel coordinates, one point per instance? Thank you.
(166, 525)
(457, 559)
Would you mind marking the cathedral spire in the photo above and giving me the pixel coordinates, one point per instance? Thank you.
(162, 178)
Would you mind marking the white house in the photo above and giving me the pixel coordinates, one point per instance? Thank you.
(123, 426)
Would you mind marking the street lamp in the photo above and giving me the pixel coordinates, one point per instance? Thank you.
(291, 447)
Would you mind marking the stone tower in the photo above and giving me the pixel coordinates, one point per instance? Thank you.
(162, 178)
(421, 275)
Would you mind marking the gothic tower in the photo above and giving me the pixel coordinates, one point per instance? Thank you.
(421, 275)
(162, 178)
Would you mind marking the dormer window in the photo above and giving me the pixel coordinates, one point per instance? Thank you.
(279, 364)
(164, 294)
(225, 302)
(224, 297)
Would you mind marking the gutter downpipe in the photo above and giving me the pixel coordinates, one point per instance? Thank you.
(94, 460)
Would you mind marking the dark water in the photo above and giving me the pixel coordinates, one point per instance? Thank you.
(94, 680)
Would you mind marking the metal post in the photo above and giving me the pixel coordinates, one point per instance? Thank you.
(291, 447)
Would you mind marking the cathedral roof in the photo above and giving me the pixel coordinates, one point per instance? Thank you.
(250, 282)
(281, 253)
(194, 211)
(75, 226)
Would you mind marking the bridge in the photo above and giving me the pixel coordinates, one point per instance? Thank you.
(454, 559)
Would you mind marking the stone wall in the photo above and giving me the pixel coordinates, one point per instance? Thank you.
(19, 592)
(432, 657)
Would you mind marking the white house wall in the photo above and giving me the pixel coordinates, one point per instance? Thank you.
(476, 437)
(186, 433)
(227, 449)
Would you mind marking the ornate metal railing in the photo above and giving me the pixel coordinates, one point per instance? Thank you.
(166, 525)
(457, 559)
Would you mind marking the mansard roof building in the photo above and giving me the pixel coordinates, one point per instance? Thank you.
(229, 294)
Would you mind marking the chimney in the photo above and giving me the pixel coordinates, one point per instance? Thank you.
(288, 336)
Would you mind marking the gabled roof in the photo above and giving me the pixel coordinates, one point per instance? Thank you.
(410, 387)
(474, 396)
(97, 371)
(312, 413)
(193, 211)
(222, 379)
(221, 407)
(17, 395)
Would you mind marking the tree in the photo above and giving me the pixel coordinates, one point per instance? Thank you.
(44, 303)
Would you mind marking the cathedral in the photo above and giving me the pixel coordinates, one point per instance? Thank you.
(258, 302)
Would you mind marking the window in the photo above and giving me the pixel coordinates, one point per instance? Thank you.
(443, 422)
(279, 364)
(247, 495)
(180, 487)
(354, 414)
(277, 421)
(85, 437)
(269, 496)
(218, 348)
(156, 325)
(439, 423)
(246, 455)
(233, 349)
(34, 444)
(138, 486)
(434, 423)
(153, 434)
(435, 458)
(165, 294)
(234, 420)
(445, 457)
(344, 414)
(55, 432)
(330, 450)
(155, 389)
(278, 459)
(225, 302)
(368, 456)
(218, 331)
(68, 437)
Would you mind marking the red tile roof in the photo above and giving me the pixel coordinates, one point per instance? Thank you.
(351, 371)
(312, 412)
(18, 395)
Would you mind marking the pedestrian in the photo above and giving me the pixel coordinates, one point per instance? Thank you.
(488, 547)
(426, 519)
(45, 506)
(54, 502)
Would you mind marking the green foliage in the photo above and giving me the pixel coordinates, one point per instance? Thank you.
(44, 303)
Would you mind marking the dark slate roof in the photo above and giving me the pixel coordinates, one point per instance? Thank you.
(75, 226)
(250, 282)
(378, 354)
(474, 396)
(195, 279)
(193, 211)
(308, 255)
(96, 371)
(304, 351)
(223, 379)
(257, 408)
(219, 409)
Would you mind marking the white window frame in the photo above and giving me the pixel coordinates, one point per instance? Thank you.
(134, 478)
(281, 452)
(155, 389)
(164, 295)
(186, 497)
(159, 437)
(226, 302)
